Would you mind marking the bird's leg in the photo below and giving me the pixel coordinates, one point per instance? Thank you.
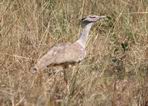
(65, 67)
(71, 84)
(65, 74)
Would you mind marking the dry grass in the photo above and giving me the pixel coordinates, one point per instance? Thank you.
(114, 72)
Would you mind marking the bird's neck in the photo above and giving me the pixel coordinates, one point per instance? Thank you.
(84, 35)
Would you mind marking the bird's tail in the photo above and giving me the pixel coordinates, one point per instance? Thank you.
(40, 65)
(34, 70)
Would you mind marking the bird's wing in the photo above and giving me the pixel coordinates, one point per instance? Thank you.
(72, 53)
(61, 53)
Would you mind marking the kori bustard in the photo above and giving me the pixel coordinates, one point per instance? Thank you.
(67, 53)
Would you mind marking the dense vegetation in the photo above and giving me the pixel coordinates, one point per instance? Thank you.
(114, 73)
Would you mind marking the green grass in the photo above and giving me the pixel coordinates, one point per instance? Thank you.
(114, 72)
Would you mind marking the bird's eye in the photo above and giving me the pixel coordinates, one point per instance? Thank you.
(83, 19)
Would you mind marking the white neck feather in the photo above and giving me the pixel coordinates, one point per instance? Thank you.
(84, 35)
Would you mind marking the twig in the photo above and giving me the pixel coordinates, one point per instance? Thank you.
(17, 56)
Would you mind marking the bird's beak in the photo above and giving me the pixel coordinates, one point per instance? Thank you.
(101, 17)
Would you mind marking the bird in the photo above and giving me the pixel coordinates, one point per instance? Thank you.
(68, 53)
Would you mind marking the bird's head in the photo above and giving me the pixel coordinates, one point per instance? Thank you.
(91, 19)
